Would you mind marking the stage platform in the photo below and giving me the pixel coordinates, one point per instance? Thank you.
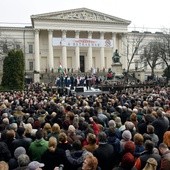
(81, 90)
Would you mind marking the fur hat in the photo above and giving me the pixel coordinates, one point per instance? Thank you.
(126, 135)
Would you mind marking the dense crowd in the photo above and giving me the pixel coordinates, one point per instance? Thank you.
(124, 130)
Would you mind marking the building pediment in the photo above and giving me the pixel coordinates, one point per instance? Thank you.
(80, 14)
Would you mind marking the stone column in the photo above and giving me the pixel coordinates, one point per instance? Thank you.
(50, 48)
(102, 61)
(114, 42)
(64, 50)
(89, 55)
(77, 51)
(37, 57)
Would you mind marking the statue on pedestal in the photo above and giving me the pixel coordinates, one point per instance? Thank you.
(116, 57)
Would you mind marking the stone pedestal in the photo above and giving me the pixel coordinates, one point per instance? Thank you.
(117, 68)
(36, 78)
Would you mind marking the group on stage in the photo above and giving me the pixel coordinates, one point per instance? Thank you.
(74, 80)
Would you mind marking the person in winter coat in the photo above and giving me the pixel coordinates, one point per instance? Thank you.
(166, 138)
(5, 154)
(90, 163)
(151, 164)
(53, 156)
(161, 125)
(92, 143)
(165, 160)
(76, 157)
(104, 153)
(148, 153)
(38, 147)
(21, 140)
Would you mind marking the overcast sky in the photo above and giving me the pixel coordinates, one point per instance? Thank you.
(150, 15)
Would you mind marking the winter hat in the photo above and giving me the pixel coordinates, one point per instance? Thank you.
(34, 165)
(18, 151)
(126, 135)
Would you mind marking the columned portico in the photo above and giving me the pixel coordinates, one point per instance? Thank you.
(89, 54)
(50, 47)
(102, 62)
(64, 50)
(75, 39)
(77, 52)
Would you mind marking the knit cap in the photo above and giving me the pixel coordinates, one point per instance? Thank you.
(126, 135)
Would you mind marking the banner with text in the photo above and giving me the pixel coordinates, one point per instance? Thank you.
(82, 42)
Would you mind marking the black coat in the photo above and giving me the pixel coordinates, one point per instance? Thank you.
(53, 159)
(146, 155)
(5, 154)
(161, 125)
(105, 155)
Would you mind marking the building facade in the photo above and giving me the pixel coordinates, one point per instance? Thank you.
(78, 40)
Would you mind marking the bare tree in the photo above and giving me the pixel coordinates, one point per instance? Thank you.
(152, 55)
(133, 43)
(165, 47)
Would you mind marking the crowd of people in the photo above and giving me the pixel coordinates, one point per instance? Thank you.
(125, 130)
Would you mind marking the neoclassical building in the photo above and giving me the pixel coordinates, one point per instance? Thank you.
(77, 39)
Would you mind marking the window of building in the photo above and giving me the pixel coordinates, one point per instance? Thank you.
(31, 67)
(30, 48)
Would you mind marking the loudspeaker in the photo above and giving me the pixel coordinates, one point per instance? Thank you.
(105, 88)
(79, 89)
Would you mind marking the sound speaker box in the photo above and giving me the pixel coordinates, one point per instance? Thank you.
(79, 89)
